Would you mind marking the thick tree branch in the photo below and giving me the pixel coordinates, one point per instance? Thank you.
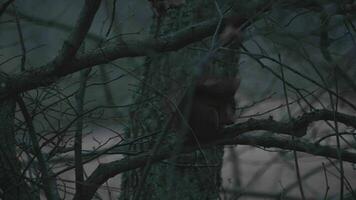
(61, 65)
(288, 144)
(108, 170)
(296, 127)
(75, 39)
(232, 136)
(48, 74)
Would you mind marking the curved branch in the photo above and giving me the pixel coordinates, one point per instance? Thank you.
(105, 171)
(296, 127)
(232, 136)
(61, 65)
(48, 74)
(77, 36)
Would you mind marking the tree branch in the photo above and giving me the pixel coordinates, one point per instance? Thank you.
(61, 65)
(295, 127)
(48, 74)
(49, 182)
(75, 39)
(232, 136)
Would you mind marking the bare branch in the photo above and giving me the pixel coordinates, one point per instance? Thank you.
(49, 182)
(232, 136)
(48, 74)
(79, 170)
(295, 127)
(75, 39)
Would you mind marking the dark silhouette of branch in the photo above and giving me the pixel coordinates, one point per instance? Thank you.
(105, 171)
(77, 36)
(234, 135)
(49, 73)
(295, 127)
(49, 182)
(79, 169)
(60, 66)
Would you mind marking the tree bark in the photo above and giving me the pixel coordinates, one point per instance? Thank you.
(190, 176)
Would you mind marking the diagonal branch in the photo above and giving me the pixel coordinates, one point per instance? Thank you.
(76, 37)
(295, 127)
(232, 136)
(48, 74)
(61, 65)
(49, 182)
(107, 170)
